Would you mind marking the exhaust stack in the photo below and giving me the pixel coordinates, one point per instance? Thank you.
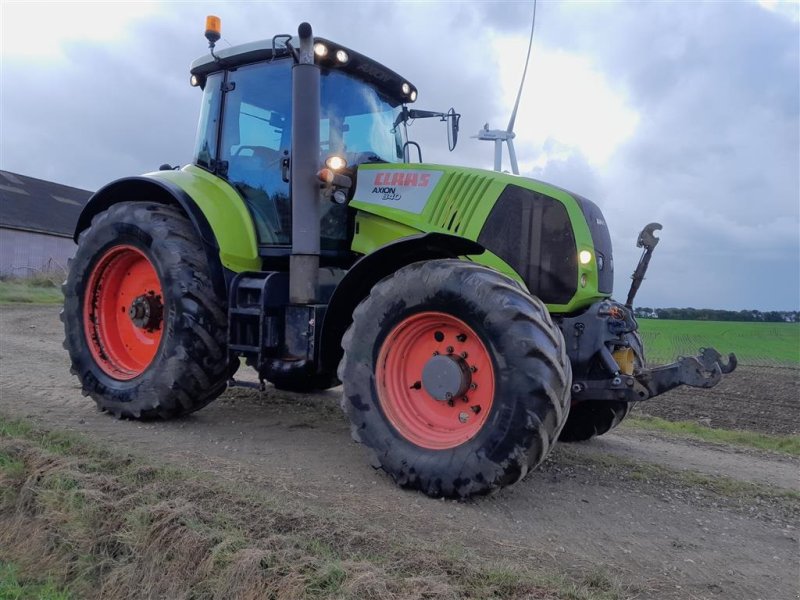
(305, 188)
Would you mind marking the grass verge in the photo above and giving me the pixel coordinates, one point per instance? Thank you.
(36, 290)
(99, 524)
(787, 444)
(14, 588)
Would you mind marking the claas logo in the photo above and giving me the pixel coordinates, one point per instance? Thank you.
(410, 179)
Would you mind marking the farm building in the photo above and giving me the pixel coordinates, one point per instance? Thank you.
(37, 220)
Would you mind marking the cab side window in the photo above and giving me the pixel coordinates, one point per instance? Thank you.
(256, 137)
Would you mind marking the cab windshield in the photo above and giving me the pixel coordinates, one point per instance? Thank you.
(357, 122)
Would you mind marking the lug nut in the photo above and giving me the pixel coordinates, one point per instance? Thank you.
(473, 386)
(474, 369)
(450, 349)
(463, 417)
(464, 355)
(462, 337)
(436, 353)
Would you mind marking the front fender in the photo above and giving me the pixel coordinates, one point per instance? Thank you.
(369, 270)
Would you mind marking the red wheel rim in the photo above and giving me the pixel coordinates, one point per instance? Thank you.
(123, 312)
(408, 405)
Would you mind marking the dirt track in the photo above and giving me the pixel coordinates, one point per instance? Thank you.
(665, 541)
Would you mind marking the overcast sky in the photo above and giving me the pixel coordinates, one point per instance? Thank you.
(683, 113)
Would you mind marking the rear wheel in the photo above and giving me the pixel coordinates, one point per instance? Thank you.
(595, 417)
(145, 331)
(455, 378)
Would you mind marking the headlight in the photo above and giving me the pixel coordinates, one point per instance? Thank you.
(342, 56)
(335, 163)
(320, 49)
(585, 257)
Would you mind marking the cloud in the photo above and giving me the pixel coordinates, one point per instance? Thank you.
(685, 114)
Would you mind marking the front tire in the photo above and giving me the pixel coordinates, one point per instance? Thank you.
(453, 323)
(145, 331)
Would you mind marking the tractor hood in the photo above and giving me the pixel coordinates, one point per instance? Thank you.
(555, 242)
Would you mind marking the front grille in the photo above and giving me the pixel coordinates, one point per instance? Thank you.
(601, 239)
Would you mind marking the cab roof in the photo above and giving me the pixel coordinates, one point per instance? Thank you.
(363, 67)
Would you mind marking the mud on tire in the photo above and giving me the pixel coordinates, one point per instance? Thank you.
(190, 366)
(531, 374)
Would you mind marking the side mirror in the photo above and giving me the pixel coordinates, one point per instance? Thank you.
(452, 128)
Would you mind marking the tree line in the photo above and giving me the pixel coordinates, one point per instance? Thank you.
(714, 314)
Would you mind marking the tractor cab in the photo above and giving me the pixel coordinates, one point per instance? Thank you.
(245, 130)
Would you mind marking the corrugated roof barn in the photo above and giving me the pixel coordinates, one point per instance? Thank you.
(37, 220)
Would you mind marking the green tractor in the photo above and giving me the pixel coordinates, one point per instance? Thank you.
(467, 313)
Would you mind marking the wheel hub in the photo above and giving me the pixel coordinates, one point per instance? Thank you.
(146, 311)
(435, 380)
(446, 377)
(123, 312)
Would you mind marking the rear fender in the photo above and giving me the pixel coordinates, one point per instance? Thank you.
(216, 211)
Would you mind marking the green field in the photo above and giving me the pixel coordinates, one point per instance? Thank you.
(761, 344)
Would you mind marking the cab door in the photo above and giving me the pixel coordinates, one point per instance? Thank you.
(255, 141)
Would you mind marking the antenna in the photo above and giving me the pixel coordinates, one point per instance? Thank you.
(498, 136)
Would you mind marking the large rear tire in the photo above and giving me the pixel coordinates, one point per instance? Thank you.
(591, 418)
(145, 331)
(453, 323)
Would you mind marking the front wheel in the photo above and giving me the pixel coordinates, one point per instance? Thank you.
(145, 330)
(455, 378)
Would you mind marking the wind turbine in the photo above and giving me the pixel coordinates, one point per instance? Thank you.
(507, 135)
